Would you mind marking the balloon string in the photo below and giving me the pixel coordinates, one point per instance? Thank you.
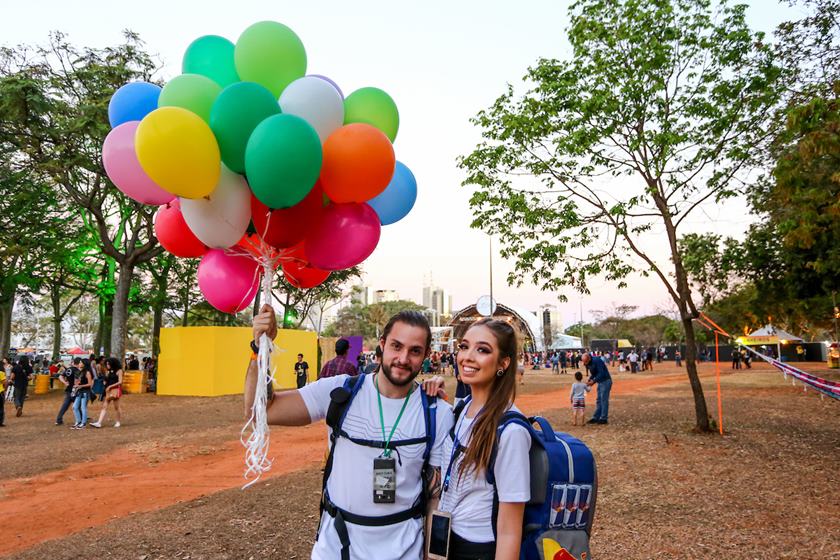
(257, 442)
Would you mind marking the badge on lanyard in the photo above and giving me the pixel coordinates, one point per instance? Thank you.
(384, 480)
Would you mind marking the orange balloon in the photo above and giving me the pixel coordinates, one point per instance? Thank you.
(358, 163)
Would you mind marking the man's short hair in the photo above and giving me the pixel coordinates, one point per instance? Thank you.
(412, 318)
(342, 345)
(77, 360)
(300, 355)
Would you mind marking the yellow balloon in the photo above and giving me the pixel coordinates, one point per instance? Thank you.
(178, 151)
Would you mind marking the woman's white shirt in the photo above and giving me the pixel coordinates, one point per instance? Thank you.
(470, 497)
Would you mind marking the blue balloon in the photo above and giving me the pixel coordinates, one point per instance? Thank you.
(132, 102)
(397, 200)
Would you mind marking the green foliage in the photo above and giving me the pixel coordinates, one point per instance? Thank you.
(367, 320)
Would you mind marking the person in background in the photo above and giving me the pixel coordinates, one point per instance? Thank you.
(377, 359)
(678, 358)
(133, 363)
(68, 377)
(113, 392)
(301, 371)
(598, 373)
(3, 383)
(578, 399)
(84, 382)
(20, 381)
(339, 365)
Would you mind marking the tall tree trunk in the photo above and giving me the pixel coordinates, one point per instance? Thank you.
(119, 314)
(700, 409)
(157, 322)
(257, 303)
(7, 304)
(55, 299)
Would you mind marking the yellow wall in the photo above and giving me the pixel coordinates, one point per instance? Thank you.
(211, 361)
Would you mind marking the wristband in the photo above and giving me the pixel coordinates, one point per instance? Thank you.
(254, 348)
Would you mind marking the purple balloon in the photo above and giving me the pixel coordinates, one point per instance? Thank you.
(228, 282)
(345, 235)
(335, 85)
(122, 167)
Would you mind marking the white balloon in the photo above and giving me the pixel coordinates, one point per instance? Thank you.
(317, 102)
(220, 220)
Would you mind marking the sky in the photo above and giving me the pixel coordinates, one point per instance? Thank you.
(442, 62)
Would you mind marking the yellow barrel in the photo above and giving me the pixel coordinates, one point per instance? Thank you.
(42, 384)
(133, 382)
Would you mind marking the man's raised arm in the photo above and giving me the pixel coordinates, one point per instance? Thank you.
(285, 408)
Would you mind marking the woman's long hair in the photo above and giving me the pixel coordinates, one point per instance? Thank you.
(113, 364)
(502, 395)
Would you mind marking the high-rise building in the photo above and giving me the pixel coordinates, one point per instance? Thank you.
(437, 299)
(362, 294)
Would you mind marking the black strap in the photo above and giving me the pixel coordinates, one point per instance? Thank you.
(373, 521)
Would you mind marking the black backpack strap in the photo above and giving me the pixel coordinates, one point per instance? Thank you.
(456, 412)
(340, 399)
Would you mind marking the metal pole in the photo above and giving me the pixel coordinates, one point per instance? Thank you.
(835, 311)
(491, 276)
(581, 323)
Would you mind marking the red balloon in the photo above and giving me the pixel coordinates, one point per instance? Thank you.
(286, 227)
(299, 273)
(174, 234)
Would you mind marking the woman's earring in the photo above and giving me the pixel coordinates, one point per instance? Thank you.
(500, 373)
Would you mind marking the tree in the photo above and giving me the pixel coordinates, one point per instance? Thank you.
(53, 109)
(368, 321)
(663, 106)
(788, 267)
(298, 303)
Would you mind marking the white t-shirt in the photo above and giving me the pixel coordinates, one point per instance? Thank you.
(470, 497)
(351, 482)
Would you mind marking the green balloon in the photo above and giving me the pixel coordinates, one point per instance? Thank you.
(373, 106)
(192, 92)
(283, 160)
(237, 111)
(270, 54)
(211, 56)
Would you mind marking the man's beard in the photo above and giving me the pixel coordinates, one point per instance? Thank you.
(386, 371)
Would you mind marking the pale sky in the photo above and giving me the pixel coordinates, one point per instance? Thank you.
(441, 62)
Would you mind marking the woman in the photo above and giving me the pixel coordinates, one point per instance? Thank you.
(81, 390)
(487, 362)
(113, 391)
(20, 381)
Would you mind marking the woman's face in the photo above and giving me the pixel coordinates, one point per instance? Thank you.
(478, 356)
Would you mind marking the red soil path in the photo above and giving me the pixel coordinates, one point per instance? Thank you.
(123, 482)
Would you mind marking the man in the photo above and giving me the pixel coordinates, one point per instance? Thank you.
(363, 517)
(339, 365)
(633, 358)
(301, 371)
(68, 378)
(374, 364)
(134, 363)
(598, 373)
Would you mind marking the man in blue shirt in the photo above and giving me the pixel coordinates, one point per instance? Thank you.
(598, 373)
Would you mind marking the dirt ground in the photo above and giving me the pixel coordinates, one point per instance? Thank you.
(166, 484)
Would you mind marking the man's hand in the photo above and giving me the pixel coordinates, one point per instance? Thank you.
(265, 323)
(434, 387)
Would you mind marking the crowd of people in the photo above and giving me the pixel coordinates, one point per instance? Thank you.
(85, 381)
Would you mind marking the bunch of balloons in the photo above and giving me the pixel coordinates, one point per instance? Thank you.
(255, 164)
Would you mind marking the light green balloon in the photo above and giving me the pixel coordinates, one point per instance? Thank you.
(373, 106)
(192, 92)
(211, 56)
(270, 54)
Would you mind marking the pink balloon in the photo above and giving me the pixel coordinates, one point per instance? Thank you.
(228, 282)
(345, 235)
(124, 170)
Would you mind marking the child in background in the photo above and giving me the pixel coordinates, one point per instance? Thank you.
(578, 398)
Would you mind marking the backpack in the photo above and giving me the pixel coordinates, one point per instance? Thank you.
(564, 487)
(340, 400)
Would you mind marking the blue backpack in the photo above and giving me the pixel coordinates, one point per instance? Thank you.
(564, 487)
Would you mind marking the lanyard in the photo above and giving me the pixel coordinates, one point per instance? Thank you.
(387, 452)
(456, 446)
